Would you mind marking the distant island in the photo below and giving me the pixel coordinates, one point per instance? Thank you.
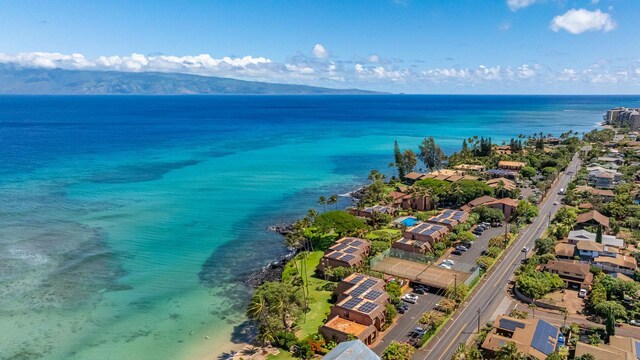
(23, 81)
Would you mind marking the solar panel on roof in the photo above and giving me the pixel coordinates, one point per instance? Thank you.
(357, 279)
(356, 243)
(638, 349)
(369, 283)
(373, 294)
(367, 307)
(359, 290)
(510, 324)
(352, 303)
(350, 250)
(334, 255)
(541, 336)
(347, 257)
(339, 247)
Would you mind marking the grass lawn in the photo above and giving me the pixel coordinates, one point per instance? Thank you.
(282, 355)
(318, 299)
(383, 233)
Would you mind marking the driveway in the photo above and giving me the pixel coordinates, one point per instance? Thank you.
(467, 260)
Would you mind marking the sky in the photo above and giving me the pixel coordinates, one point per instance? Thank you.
(410, 46)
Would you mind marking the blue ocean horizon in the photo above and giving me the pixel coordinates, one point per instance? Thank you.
(128, 224)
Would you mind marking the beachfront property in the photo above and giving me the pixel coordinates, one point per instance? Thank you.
(574, 274)
(592, 218)
(471, 168)
(360, 310)
(624, 117)
(449, 218)
(368, 212)
(351, 350)
(533, 337)
(619, 347)
(502, 149)
(420, 238)
(511, 165)
(347, 252)
(406, 201)
(442, 174)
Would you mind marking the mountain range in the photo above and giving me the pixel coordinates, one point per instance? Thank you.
(23, 81)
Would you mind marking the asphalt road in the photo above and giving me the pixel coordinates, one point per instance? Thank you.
(484, 301)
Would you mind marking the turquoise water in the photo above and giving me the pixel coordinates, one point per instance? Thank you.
(128, 224)
(409, 221)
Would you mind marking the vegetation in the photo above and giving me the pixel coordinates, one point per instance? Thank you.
(487, 214)
(340, 222)
(398, 351)
(535, 284)
(431, 154)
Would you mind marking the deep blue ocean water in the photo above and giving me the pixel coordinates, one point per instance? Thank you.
(127, 224)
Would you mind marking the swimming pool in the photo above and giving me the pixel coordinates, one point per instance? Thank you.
(410, 221)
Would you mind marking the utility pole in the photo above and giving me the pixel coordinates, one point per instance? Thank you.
(478, 320)
(455, 284)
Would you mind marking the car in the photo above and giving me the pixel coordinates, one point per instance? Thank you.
(461, 248)
(485, 224)
(582, 293)
(634, 322)
(456, 252)
(410, 298)
(448, 262)
(419, 331)
(402, 308)
(561, 192)
(419, 291)
(555, 203)
(477, 232)
(525, 249)
(482, 227)
(445, 266)
(467, 244)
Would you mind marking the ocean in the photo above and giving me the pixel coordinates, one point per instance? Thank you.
(129, 223)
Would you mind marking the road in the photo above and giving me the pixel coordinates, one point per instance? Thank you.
(409, 321)
(484, 301)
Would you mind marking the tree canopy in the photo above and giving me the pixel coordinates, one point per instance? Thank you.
(341, 222)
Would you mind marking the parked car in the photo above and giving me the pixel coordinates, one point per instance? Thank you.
(419, 291)
(525, 249)
(402, 308)
(634, 322)
(555, 203)
(457, 252)
(461, 248)
(448, 262)
(419, 331)
(477, 232)
(410, 298)
(485, 224)
(496, 224)
(467, 244)
(582, 293)
(445, 266)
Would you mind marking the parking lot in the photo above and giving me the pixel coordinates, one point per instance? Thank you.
(467, 260)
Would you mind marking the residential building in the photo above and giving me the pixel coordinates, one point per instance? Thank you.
(427, 232)
(507, 184)
(508, 206)
(338, 329)
(625, 264)
(471, 167)
(603, 180)
(413, 176)
(496, 173)
(351, 350)
(610, 159)
(583, 235)
(355, 280)
(406, 201)
(573, 274)
(619, 347)
(593, 219)
(361, 309)
(412, 245)
(368, 212)
(605, 195)
(347, 252)
(511, 165)
(449, 218)
(534, 337)
(591, 250)
(564, 251)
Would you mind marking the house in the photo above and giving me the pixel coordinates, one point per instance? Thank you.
(580, 235)
(502, 150)
(449, 218)
(564, 251)
(625, 264)
(587, 206)
(511, 165)
(605, 195)
(477, 202)
(507, 184)
(592, 218)
(360, 310)
(573, 274)
(368, 212)
(427, 232)
(413, 176)
(619, 347)
(495, 173)
(609, 159)
(591, 250)
(412, 245)
(508, 206)
(347, 252)
(410, 201)
(534, 337)
(469, 167)
(351, 350)
(552, 141)
(603, 180)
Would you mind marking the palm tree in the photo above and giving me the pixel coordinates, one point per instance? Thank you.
(333, 199)
(461, 352)
(312, 215)
(508, 351)
(323, 201)
(564, 313)
(500, 189)
(533, 307)
(457, 193)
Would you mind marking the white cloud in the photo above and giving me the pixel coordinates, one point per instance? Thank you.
(515, 5)
(526, 72)
(320, 51)
(577, 21)
(374, 58)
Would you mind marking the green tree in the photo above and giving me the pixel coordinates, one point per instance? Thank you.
(488, 214)
(323, 201)
(508, 351)
(399, 159)
(276, 306)
(544, 246)
(398, 351)
(611, 324)
(409, 160)
(333, 200)
(585, 357)
(394, 290)
(526, 211)
(528, 172)
(431, 154)
(599, 235)
(340, 222)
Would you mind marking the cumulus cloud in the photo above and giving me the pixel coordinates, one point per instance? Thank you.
(577, 21)
(374, 58)
(515, 5)
(320, 51)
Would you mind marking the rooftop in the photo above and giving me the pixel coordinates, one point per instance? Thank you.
(428, 229)
(535, 337)
(346, 326)
(623, 261)
(564, 249)
(481, 200)
(351, 350)
(579, 235)
(505, 201)
(593, 215)
(568, 267)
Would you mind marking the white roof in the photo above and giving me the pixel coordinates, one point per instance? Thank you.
(583, 235)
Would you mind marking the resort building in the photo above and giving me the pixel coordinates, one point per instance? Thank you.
(625, 264)
(368, 212)
(583, 235)
(534, 337)
(508, 206)
(414, 246)
(351, 350)
(427, 232)
(360, 310)
(511, 165)
(592, 218)
(413, 176)
(477, 202)
(573, 274)
(619, 347)
(502, 149)
(449, 218)
(502, 173)
(624, 117)
(347, 252)
(472, 168)
(410, 201)
(505, 183)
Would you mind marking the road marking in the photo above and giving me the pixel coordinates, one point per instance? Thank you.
(451, 343)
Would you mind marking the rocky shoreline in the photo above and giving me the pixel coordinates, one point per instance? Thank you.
(273, 271)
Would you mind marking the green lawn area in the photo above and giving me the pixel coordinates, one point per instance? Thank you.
(318, 299)
(282, 355)
(383, 233)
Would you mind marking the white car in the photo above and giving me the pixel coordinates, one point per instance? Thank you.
(410, 298)
(445, 266)
(448, 262)
(582, 293)
(555, 203)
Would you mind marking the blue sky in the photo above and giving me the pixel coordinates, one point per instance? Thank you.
(429, 46)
